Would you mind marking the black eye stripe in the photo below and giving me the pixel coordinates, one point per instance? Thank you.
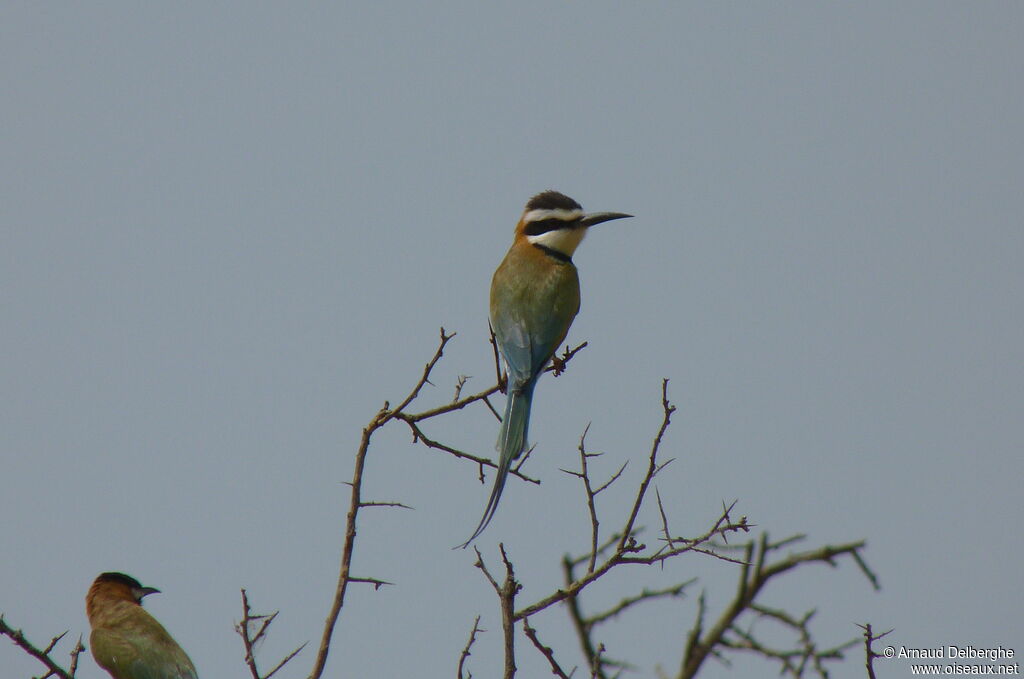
(545, 225)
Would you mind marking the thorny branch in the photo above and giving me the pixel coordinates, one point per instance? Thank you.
(653, 467)
(756, 569)
(793, 662)
(43, 654)
(622, 549)
(250, 640)
(592, 493)
(413, 420)
(546, 651)
(506, 592)
(756, 572)
(758, 563)
(383, 416)
(626, 548)
(677, 590)
(466, 650)
(869, 652)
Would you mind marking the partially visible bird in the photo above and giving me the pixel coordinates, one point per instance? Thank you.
(535, 295)
(127, 641)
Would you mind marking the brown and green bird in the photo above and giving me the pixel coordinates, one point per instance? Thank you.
(127, 641)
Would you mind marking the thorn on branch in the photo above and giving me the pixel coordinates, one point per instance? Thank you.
(377, 584)
(459, 384)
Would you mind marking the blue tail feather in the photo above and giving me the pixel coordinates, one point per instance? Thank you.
(511, 444)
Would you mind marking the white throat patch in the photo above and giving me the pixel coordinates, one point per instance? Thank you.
(561, 240)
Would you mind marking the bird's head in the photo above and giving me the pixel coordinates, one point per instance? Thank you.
(109, 587)
(555, 221)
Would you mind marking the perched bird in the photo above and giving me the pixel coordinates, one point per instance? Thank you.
(127, 641)
(535, 294)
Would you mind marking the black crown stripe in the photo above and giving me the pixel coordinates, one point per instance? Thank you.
(121, 578)
(552, 200)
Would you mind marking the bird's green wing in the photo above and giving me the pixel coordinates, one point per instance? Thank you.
(150, 655)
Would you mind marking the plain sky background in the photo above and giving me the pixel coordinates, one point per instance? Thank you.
(230, 231)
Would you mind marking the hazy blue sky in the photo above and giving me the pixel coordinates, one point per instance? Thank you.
(230, 231)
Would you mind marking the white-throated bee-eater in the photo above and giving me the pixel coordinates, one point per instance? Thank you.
(535, 295)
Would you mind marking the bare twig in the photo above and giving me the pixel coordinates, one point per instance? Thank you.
(459, 384)
(591, 508)
(602, 549)
(623, 555)
(43, 655)
(653, 466)
(419, 437)
(597, 663)
(499, 376)
(756, 569)
(676, 590)
(466, 650)
(75, 652)
(383, 416)
(626, 543)
(506, 595)
(546, 651)
(250, 641)
(869, 652)
(755, 574)
(450, 407)
(581, 625)
(695, 633)
(460, 402)
(794, 662)
(399, 505)
(490, 406)
(592, 493)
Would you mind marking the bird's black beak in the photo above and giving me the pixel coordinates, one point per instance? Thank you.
(598, 217)
(140, 592)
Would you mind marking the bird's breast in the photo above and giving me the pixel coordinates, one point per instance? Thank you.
(532, 287)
